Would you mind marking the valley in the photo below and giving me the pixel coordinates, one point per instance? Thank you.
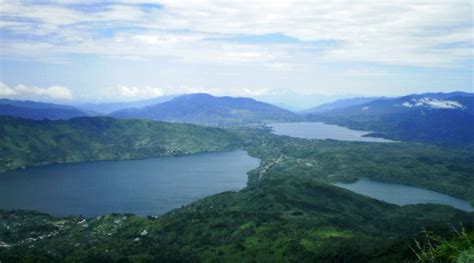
(285, 209)
(288, 211)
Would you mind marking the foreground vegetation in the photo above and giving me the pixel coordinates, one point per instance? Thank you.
(288, 212)
(457, 247)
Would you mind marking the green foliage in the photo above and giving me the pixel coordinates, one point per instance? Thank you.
(458, 247)
(288, 212)
(440, 169)
(282, 219)
(26, 143)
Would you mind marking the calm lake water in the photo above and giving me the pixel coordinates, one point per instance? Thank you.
(319, 130)
(403, 194)
(143, 187)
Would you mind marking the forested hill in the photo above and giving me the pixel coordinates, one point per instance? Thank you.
(205, 109)
(28, 142)
(440, 118)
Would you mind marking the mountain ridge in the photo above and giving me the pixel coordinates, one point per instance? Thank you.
(202, 108)
(28, 109)
(445, 118)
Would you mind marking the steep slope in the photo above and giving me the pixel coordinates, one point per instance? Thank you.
(435, 118)
(38, 110)
(210, 110)
(28, 143)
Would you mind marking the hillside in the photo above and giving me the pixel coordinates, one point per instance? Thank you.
(284, 221)
(288, 212)
(210, 110)
(29, 143)
(38, 110)
(443, 118)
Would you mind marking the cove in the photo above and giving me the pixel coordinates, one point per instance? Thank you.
(319, 130)
(143, 187)
(403, 194)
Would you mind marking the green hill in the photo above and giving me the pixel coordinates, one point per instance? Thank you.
(205, 109)
(26, 143)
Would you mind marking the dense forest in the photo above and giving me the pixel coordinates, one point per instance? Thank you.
(27, 143)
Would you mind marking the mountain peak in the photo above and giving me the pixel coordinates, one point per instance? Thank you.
(206, 109)
(197, 95)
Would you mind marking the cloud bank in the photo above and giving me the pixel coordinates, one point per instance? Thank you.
(415, 33)
(149, 48)
(22, 92)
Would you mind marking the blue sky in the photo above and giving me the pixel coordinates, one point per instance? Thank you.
(284, 51)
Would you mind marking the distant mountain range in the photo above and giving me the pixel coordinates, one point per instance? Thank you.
(339, 104)
(446, 118)
(209, 110)
(197, 108)
(38, 110)
(107, 108)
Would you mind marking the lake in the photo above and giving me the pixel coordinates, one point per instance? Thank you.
(143, 187)
(403, 194)
(319, 130)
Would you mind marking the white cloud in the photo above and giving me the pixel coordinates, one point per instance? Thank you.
(31, 92)
(394, 32)
(331, 47)
(138, 93)
(123, 92)
(6, 91)
(277, 66)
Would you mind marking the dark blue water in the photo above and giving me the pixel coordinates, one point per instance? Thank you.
(403, 194)
(143, 187)
(319, 130)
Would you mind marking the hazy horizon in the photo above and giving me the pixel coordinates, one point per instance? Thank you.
(299, 102)
(286, 52)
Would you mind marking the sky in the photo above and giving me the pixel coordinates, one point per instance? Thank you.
(288, 52)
